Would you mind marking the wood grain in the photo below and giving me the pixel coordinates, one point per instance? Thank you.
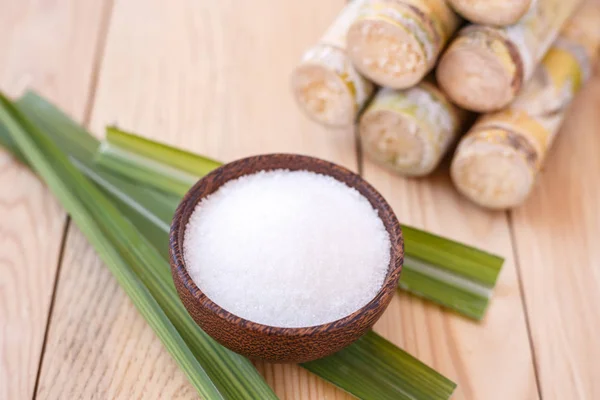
(490, 360)
(48, 46)
(98, 344)
(557, 233)
(213, 77)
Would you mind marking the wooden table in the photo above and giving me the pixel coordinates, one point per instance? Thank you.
(212, 76)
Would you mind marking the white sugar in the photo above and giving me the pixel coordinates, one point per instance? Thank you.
(287, 249)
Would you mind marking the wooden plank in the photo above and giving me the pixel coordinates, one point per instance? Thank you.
(49, 46)
(489, 360)
(213, 77)
(557, 233)
(98, 344)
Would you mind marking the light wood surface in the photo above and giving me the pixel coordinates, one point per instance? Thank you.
(213, 76)
(49, 46)
(489, 360)
(557, 235)
(98, 345)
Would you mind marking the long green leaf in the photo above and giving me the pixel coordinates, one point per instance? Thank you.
(449, 273)
(138, 205)
(473, 264)
(180, 160)
(233, 375)
(71, 137)
(128, 164)
(72, 189)
(371, 368)
(170, 167)
(7, 142)
(377, 374)
(387, 372)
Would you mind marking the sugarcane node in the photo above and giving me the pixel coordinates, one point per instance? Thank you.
(513, 51)
(427, 21)
(521, 144)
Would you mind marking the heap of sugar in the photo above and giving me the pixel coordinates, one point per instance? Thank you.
(287, 248)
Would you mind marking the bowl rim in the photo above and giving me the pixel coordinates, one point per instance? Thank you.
(383, 296)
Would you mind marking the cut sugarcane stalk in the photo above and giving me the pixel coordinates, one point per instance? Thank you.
(449, 273)
(409, 131)
(496, 163)
(396, 43)
(492, 12)
(484, 68)
(326, 85)
(391, 374)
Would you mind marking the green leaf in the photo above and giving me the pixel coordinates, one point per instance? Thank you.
(215, 371)
(348, 369)
(126, 163)
(145, 168)
(7, 142)
(386, 373)
(136, 202)
(449, 273)
(393, 375)
(473, 264)
(445, 289)
(181, 160)
(172, 169)
(379, 372)
(71, 137)
(71, 188)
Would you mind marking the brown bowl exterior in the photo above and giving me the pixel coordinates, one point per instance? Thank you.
(270, 343)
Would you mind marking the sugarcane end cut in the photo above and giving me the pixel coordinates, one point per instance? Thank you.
(386, 53)
(491, 174)
(323, 95)
(475, 77)
(396, 141)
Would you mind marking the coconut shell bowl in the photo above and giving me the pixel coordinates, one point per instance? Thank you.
(270, 343)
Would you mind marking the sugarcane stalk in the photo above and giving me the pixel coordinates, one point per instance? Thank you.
(496, 163)
(395, 43)
(484, 68)
(409, 131)
(325, 84)
(492, 12)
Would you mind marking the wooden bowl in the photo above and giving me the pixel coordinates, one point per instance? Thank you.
(271, 343)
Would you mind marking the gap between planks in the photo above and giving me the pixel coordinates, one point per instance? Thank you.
(63, 242)
(515, 248)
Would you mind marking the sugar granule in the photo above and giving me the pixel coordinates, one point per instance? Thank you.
(287, 248)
